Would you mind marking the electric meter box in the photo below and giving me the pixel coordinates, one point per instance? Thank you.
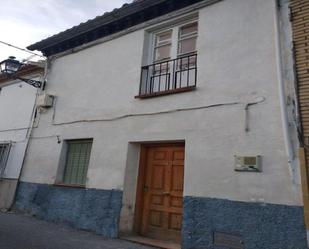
(45, 100)
(248, 163)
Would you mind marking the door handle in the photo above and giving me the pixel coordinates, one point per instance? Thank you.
(166, 193)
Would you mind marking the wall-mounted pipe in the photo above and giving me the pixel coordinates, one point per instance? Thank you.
(282, 95)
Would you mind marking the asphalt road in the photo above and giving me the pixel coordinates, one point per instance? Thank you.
(19, 231)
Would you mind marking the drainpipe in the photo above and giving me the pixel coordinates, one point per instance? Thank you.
(282, 96)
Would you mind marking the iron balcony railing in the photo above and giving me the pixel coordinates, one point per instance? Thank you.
(169, 76)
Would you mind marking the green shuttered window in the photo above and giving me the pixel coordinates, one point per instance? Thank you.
(4, 155)
(78, 155)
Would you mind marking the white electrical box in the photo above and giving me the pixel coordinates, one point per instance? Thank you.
(45, 100)
(248, 163)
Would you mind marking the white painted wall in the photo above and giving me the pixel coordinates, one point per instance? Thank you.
(17, 101)
(236, 63)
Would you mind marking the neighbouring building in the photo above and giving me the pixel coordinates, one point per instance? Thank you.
(17, 111)
(300, 24)
(172, 120)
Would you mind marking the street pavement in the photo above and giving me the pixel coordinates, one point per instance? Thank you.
(18, 231)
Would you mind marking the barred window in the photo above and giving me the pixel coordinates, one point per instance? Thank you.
(77, 160)
(4, 155)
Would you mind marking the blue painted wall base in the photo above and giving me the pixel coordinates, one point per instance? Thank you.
(89, 209)
(261, 226)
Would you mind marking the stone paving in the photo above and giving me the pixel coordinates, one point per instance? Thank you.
(18, 231)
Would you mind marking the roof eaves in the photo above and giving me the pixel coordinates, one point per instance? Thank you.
(106, 18)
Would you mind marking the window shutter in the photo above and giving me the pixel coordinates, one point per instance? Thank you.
(78, 156)
(4, 155)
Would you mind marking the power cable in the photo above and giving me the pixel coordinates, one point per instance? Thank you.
(146, 114)
(22, 49)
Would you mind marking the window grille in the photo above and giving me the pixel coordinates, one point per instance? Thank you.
(77, 160)
(4, 155)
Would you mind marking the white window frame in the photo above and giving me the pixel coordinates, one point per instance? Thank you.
(169, 75)
(175, 40)
(187, 36)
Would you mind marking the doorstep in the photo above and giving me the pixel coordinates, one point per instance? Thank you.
(152, 242)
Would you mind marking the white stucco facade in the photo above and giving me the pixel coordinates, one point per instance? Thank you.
(17, 105)
(17, 111)
(95, 91)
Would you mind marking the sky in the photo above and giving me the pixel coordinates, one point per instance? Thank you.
(24, 22)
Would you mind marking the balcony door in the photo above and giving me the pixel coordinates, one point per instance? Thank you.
(173, 61)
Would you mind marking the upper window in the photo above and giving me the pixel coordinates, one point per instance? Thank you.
(163, 46)
(175, 42)
(77, 160)
(4, 155)
(187, 39)
(173, 62)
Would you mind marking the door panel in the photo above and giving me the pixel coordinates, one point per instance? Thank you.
(163, 193)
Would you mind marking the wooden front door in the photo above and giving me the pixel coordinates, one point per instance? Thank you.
(163, 193)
